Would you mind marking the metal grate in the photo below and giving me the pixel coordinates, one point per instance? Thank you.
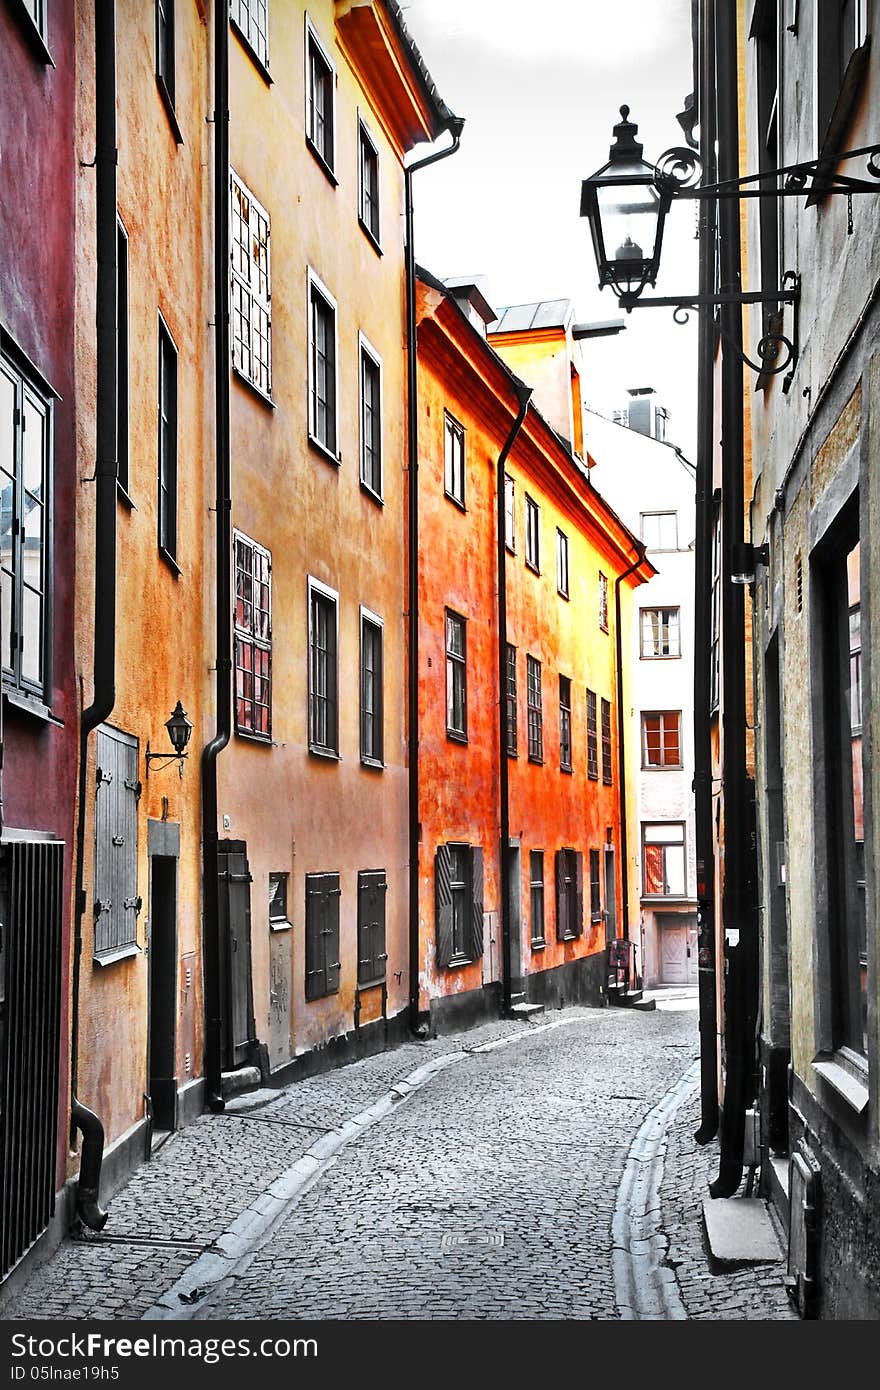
(452, 1240)
(30, 1003)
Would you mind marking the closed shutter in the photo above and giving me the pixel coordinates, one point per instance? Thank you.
(372, 889)
(322, 935)
(559, 862)
(332, 960)
(579, 893)
(117, 793)
(476, 903)
(443, 905)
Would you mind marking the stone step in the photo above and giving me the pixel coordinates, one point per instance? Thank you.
(776, 1179)
(233, 1083)
(526, 1010)
(739, 1232)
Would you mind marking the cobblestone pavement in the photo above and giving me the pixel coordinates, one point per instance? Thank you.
(487, 1193)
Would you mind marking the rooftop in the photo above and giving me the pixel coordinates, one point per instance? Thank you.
(546, 313)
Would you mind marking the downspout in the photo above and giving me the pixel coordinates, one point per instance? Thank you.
(621, 739)
(523, 396)
(739, 913)
(88, 1208)
(455, 126)
(705, 852)
(211, 949)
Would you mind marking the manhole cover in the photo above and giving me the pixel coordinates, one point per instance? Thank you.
(452, 1239)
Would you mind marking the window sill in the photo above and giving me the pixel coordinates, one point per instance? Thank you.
(374, 496)
(534, 568)
(319, 448)
(603, 627)
(569, 936)
(539, 944)
(169, 109)
(170, 561)
(511, 549)
(322, 163)
(607, 782)
(512, 753)
(533, 758)
(456, 501)
(329, 754)
(563, 593)
(371, 237)
(253, 387)
(372, 984)
(104, 958)
(33, 36)
(841, 1079)
(658, 656)
(566, 768)
(280, 924)
(123, 497)
(455, 736)
(665, 767)
(457, 962)
(374, 764)
(249, 49)
(252, 736)
(592, 776)
(32, 705)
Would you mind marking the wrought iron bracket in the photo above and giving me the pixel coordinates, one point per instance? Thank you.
(679, 170)
(164, 758)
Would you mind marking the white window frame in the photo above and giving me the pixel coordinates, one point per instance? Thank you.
(662, 715)
(664, 843)
(252, 294)
(366, 349)
(313, 37)
(315, 586)
(368, 616)
(315, 283)
(660, 608)
(510, 513)
(533, 535)
(365, 134)
(603, 601)
(562, 567)
(454, 429)
(249, 636)
(247, 27)
(659, 516)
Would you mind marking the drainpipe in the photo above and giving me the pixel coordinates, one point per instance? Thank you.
(621, 740)
(705, 851)
(82, 1118)
(523, 396)
(211, 948)
(739, 908)
(454, 125)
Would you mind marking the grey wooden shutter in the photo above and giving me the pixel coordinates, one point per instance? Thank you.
(117, 793)
(443, 905)
(316, 975)
(372, 955)
(579, 893)
(559, 863)
(233, 864)
(330, 932)
(476, 903)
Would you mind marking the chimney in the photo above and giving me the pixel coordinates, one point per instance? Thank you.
(643, 413)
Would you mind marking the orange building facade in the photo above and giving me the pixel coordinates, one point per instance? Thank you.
(564, 551)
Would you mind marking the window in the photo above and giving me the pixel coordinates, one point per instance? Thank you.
(535, 712)
(371, 418)
(372, 891)
(843, 717)
(323, 669)
(456, 677)
(595, 888)
(167, 470)
(533, 535)
(592, 738)
(372, 703)
(565, 723)
(165, 48)
(453, 458)
(569, 894)
(458, 888)
(603, 601)
(251, 19)
(663, 860)
(511, 701)
(251, 289)
(117, 794)
(841, 61)
(660, 632)
(368, 184)
(253, 638)
(320, 101)
(661, 739)
(714, 619)
(322, 935)
(509, 514)
(606, 743)
(37, 11)
(323, 426)
(278, 919)
(536, 896)
(25, 530)
(122, 357)
(660, 530)
(562, 563)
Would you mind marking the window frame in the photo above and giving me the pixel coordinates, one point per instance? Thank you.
(562, 572)
(26, 384)
(667, 627)
(538, 941)
(377, 881)
(319, 592)
(258, 51)
(368, 354)
(317, 289)
(280, 921)
(664, 845)
(252, 298)
(454, 430)
(456, 661)
(592, 735)
(565, 738)
(606, 735)
(603, 601)
(838, 74)
(372, 758)
(662, 716)
(596, 913)
(166, 62)
(313, 42)
(470, 887)
(123, 372)
(35, 16)
(366, 139)
(511, 741)
(510, 513)
(331, 889)
(658, 516)
(167, 515)
(248, 635)
(533, 534)
(535, 711)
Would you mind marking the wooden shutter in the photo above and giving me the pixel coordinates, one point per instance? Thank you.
(559, 863)
(476, 903)
(443, 905)
(316, 974)
(117, 794)
(579, 893)
(372, 888)
(235, 895)
(332, 959)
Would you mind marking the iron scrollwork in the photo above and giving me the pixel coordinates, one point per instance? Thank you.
(678, 169)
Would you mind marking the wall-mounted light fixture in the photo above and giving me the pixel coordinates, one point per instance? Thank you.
(745, 561)
(179, 730)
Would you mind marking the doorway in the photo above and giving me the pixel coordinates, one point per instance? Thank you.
(674, 955)
(161, 1040)
(610, 897)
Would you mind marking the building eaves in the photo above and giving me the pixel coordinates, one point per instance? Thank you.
(648, 439)
(445, 115)
(543, 313)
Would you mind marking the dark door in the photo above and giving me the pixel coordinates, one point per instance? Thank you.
(238, 1029)
(163, 991)
(610, 897)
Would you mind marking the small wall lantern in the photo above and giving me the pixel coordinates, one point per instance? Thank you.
(626, 210)
(179, 730)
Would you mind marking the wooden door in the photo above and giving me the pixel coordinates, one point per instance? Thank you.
(674, 956)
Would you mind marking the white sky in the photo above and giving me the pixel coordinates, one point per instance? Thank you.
(539, 86)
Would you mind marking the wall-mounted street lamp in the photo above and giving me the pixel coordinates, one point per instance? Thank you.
(626, 202)
(179, 730)
(745, 561)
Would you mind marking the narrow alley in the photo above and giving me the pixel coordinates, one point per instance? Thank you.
(493, 1174)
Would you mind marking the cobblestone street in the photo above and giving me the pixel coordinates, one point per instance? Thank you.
(466, 1177)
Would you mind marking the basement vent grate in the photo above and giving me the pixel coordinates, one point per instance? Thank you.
(453, 1239)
